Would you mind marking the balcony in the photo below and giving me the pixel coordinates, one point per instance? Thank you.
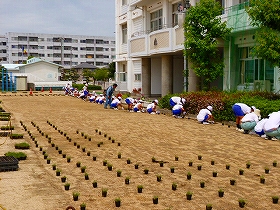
(167, 39)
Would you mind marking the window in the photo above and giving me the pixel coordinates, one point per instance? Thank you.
(156, 20)
(49, 47)
(124, 2)
(124, 34)
(41, 47)
(137, 77)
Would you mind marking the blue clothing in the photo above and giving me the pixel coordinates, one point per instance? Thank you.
(177, 112)
(150, 110)
(109, 94)
(237, 110)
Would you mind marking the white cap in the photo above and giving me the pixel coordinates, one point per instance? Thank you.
(210, 108)
(183, 100)
(120, 98)
(257, 112)
(156, 101)
(253, 107)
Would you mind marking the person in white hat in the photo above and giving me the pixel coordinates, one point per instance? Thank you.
(138, 107)
(117, 102)
(272, 126)
(129, 101)
(250, 120)
(178, 111)
(152, 108)
(204, 116)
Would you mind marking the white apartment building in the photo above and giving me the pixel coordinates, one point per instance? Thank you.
(62, 49)
(150, 42)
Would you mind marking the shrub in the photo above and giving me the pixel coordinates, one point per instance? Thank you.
(7, 127)
(16, 136)
(22, 145)
(17, 155)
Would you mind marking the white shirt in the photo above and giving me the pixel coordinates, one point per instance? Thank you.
(202, 113)
(176, 99)
(245, 108)
(138, 105)
(260, 125)
(273, 121)
(250, 117)
(116, 101)
(177, 107)
(152, 105)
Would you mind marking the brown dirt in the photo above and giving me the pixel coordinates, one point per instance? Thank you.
(142, 136)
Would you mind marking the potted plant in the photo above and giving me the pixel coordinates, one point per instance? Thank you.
(176, 158)
(48, 160)
(58, 172)
(232, 181)
(109, 166)
(227, 166)
(78, 164)
(64, 155)
(155, 200)
(46, 156)
(59, 151)
(241, 171)
(83, 169)
(67, 186)
(146, 171)
(262, 179)
(190, 163)
(140, 188)
(202, 184)
(119, 155)
(172, 169)
(159, 177)
(153, 159)
(77, 132)
(78, 146)
(76, 196)
(119, 144)
(199, 167)
(128, 161)
(83, 206)
(274, 163)
(189, 175)
(161, 163)
(174, 186)
(221, 193)
(208, 206)
(241, 202)
(94, 158)
(68, 159)
(275, 199)
(63, 179)
(54, 166)
(248, 164)
(117, 202)
(212, 162)
(215, 173)
(105, 162)
(126, 181)
(189, 195)
(199, 157)
(104, 192)
(84, 149)
(86, 176)
(136, 166)
(266, 170)
(94, 184)
(119, 173)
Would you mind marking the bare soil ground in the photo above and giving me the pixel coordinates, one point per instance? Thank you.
(141, 137)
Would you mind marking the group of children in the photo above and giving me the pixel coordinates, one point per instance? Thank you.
(248, 120)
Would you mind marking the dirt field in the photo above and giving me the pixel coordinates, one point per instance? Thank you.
(141, 137)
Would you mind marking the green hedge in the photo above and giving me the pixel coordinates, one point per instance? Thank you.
(17, 155)
(7, 127)
(22, 145)
(16, 136)
(222, 102)
(90, 87)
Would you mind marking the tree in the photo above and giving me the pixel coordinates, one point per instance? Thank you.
(265, 14)
(87, 73)
(112, 70)
(101, 74)
(70, 74)
(203, 27)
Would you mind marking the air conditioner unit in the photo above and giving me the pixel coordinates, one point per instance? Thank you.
(262, 85)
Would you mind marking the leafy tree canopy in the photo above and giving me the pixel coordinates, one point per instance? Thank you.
(203, 27)
(265, 14)
(112, 70)
(101, 74)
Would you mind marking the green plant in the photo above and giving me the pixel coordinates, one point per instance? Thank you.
(76, 194)
(117, 199)
(23, 145)
(83, 205)
(274, 163)
(17, 155)
(140, 186)
(67, 184)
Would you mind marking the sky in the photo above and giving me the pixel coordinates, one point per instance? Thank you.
(72, 17)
